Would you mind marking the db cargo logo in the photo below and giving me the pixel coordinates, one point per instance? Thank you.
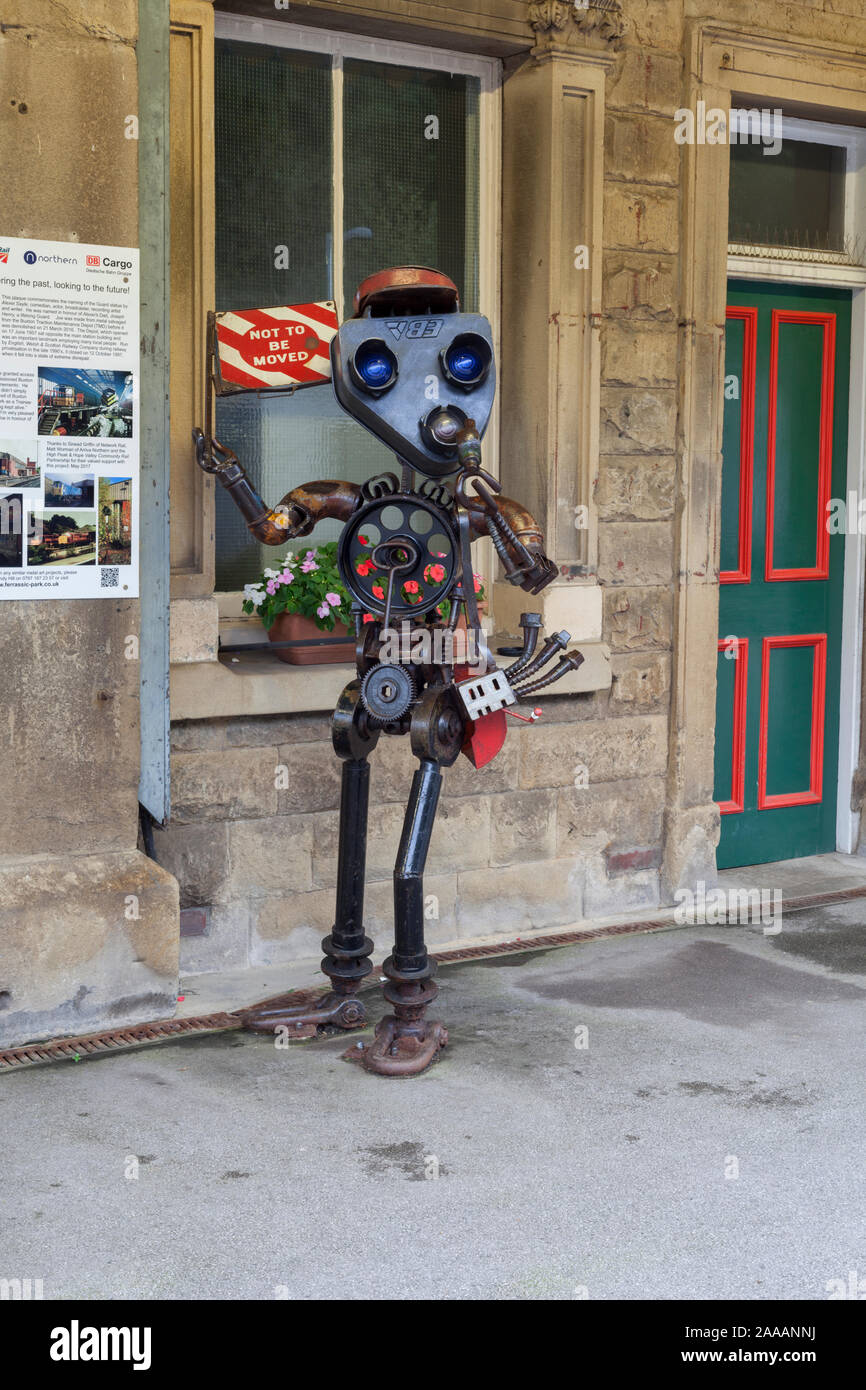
(4, 255)
(93, 260)
(286, 346)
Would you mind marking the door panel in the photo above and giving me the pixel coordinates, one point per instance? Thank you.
(780, 603)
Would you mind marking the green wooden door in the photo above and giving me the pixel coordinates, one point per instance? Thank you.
(780, 601)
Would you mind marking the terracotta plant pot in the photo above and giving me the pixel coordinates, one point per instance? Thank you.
(294, 627)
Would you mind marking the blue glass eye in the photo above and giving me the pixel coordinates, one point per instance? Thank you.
(375, 366)
(466, 360)
(375, 369)
(464, 363)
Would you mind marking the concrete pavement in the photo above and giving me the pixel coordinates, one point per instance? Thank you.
(706, 1142)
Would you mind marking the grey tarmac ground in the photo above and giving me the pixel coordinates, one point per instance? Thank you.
(563, 1172)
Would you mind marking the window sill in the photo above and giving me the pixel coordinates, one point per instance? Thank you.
(258, 683)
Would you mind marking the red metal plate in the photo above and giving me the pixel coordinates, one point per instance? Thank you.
(272, 349)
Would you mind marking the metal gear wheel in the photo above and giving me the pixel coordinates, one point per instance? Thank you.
(387, 691)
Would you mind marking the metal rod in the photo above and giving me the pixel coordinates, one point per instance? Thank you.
(410, 953)
(564, 665)
(352, 859)
(531, 633)
(554, 644)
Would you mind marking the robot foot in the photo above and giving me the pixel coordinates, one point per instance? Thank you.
(405, 1043)
(304, 1012)
(395, 1051)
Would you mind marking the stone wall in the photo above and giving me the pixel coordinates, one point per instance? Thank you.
(88, 924)
(516, 845)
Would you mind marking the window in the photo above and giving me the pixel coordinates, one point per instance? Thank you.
(794, 198)
(334, 157)
(806, 201)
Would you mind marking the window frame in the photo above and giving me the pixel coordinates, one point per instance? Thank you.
(743, 256)
(339, 46)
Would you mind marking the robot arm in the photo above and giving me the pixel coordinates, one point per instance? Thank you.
(518, 538)
(298, 512)
(516, 535)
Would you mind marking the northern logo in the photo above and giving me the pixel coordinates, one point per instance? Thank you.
(30, 257)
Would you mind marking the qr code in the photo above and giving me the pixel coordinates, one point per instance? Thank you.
(109, 578)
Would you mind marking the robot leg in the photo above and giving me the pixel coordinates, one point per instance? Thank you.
(346, 948)
(405, 1043)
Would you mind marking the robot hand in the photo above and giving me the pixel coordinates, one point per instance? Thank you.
(515, 533)
(298, 512)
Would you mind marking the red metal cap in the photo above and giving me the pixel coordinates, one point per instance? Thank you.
(405, 289)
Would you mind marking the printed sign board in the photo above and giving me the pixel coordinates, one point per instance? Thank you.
(69, 420)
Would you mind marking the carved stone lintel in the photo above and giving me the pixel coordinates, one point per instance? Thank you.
(555, 21)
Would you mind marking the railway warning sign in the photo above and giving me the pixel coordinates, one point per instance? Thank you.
(274, 349)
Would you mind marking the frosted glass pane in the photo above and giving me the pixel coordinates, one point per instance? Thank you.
(411, 180)
(273, 129)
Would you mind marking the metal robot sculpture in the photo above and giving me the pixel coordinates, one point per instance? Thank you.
(403, 552)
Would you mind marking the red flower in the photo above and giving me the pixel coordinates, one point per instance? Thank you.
(364, 567)
(362, 540)
(367, 618)
(378, 591)
(477, 584)
(411, 586)
(435, 572)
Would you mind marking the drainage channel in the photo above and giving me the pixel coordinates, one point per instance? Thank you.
(170, 1030)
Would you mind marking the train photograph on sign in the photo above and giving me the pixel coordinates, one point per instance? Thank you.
(62, 538)
(94, 404)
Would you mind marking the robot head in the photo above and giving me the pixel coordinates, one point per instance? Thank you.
(412, 368)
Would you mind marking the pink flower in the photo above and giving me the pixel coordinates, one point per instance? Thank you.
(308, 566)
(287, 577)
(477, 578)
(333, 599)
(323, 610)
(271, 587)
(436, 573)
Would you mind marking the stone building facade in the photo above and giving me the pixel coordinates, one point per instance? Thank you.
(610, 255)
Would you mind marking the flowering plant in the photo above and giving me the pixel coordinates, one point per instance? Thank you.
(444, 608)
(307, 582)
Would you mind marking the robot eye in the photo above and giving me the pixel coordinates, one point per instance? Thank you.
(439, 429)
(374, 367)
(466, 361)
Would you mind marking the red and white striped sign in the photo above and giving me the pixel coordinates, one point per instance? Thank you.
(267, 348)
